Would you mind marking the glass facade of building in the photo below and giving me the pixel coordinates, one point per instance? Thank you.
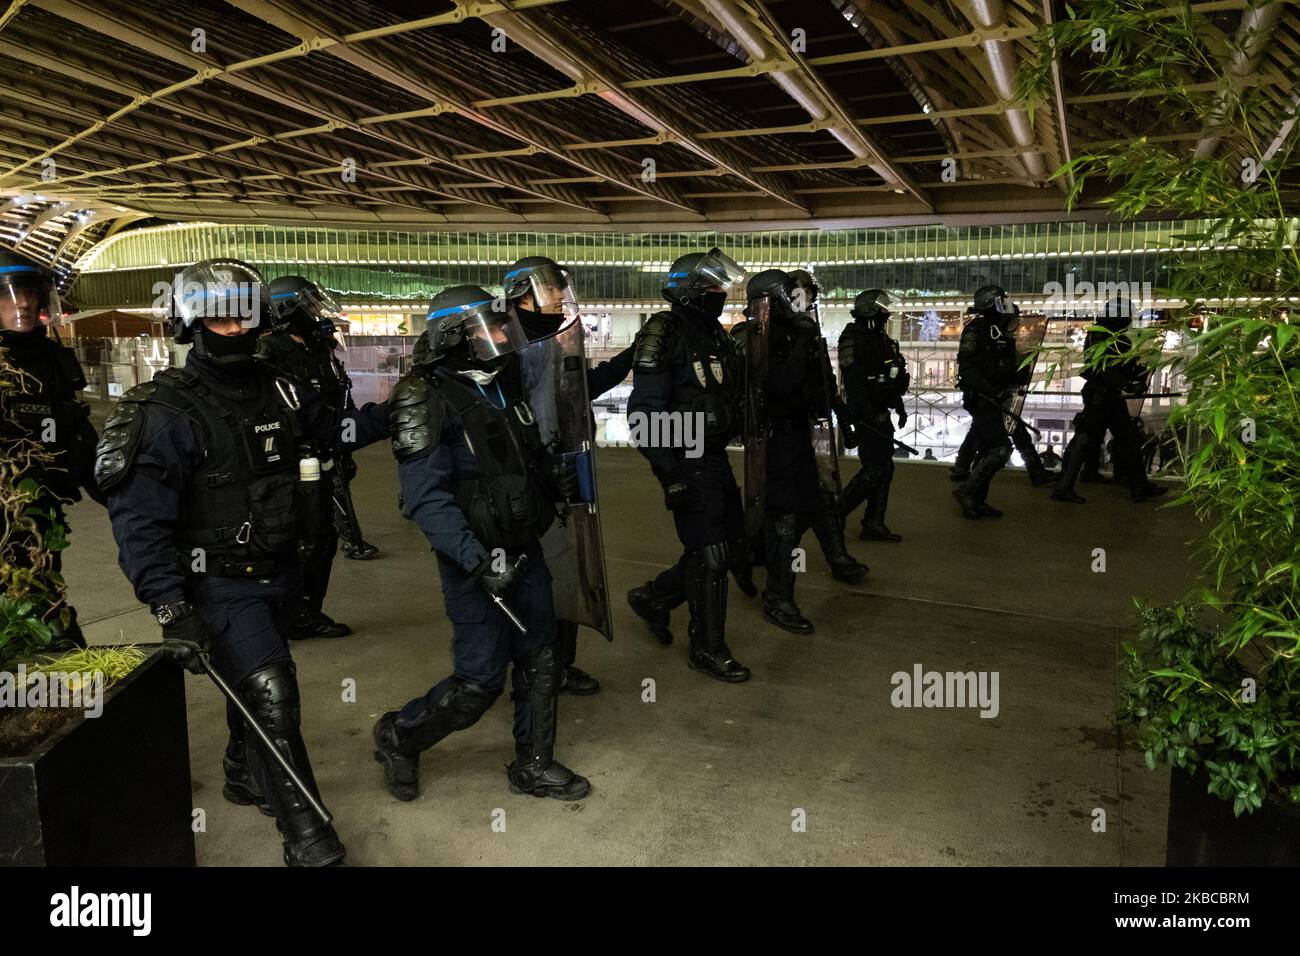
(385, 278)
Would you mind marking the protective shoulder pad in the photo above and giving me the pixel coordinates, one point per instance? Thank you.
(415, 416)
(120, 441)
(653, 341)
(847, 347)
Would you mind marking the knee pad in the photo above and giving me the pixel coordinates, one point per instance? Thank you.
(465, 702)
(272, 695)
(1000, 453)
(716, 557)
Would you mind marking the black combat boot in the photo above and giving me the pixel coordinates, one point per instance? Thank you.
(272, 695)
(573, 680)
(642, 600)
(399, 743)
(241, 787)
(782, 534)
(1071, 465)
(317, 624)
(362, 551)
(535, 770)
(873, 519)
(1147, 490)
(706, 594)
(829, 530)
(971, 495)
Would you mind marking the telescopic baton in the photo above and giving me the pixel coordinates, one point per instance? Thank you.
(303, 790)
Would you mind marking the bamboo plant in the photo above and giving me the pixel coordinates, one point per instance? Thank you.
(1211, 683)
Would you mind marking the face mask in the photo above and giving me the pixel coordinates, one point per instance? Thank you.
(229, 347)
(711, 304)
(538, 325)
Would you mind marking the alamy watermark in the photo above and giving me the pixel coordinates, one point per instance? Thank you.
(80, 690)
(922, 688)
(683, 430)
(1086, 296)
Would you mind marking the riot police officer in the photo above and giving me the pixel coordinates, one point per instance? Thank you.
(44, 409)
(824, 402)
(201, 468)
(1108, 378)
(482, 486)
(539, 293)
(685, 374)
(793, 393)
(1035, 469)
(988, 373)
(875, 381)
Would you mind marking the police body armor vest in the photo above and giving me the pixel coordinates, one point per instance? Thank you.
(879, 367)
(714, 387)
(240, 504)
(48, 411)
(995, 353)
(504, 502)
(318, 369)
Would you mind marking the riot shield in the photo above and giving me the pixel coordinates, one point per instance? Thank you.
(825, 436)
(1029, 333)
(555, 380)
(752, 337)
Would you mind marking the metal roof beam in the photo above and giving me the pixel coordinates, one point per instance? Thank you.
(589, 68)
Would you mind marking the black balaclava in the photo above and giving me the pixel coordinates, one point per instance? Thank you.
(538, 325)
(228, 351)
(24, 342)
(707, 306)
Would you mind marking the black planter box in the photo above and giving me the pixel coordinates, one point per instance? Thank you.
(1203, 831)
(109, 791)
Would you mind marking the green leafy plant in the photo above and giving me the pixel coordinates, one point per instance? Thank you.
(1209, 682)
(31, 536)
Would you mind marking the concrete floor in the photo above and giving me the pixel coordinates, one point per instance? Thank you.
(713, 773)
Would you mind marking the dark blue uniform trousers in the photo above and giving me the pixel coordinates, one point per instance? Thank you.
(484, 642)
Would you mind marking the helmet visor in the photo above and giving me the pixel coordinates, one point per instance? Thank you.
(216, 290)
(553, 294)
(28, 299)
(718, 268)
(493, 334)
(314, 300)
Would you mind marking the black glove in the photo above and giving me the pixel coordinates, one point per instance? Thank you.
(850, 434)
(500, 583)
(563, 472)
(676, 495)
(902, 418)
(183, 639)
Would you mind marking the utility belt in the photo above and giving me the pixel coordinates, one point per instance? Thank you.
(719, 413)
(790, 426)
(224, 566)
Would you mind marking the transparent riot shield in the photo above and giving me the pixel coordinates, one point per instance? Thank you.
(825, 436)
(1029, 332)
(555, 380)
(752, 338)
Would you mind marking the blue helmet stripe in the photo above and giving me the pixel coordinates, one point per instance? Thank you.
(451, 310)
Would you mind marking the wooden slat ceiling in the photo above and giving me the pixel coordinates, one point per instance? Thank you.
(549, 114)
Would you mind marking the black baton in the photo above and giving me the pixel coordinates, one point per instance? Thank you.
(267, 742)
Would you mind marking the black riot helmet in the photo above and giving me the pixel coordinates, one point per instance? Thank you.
(547, 281)
(991, 301)
(803, 290)
(692, 275)
(302, 307)
(872, 307)
(220, 291)
(771, 284)
(468, 321)
(1117, 314)
(29, 298)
